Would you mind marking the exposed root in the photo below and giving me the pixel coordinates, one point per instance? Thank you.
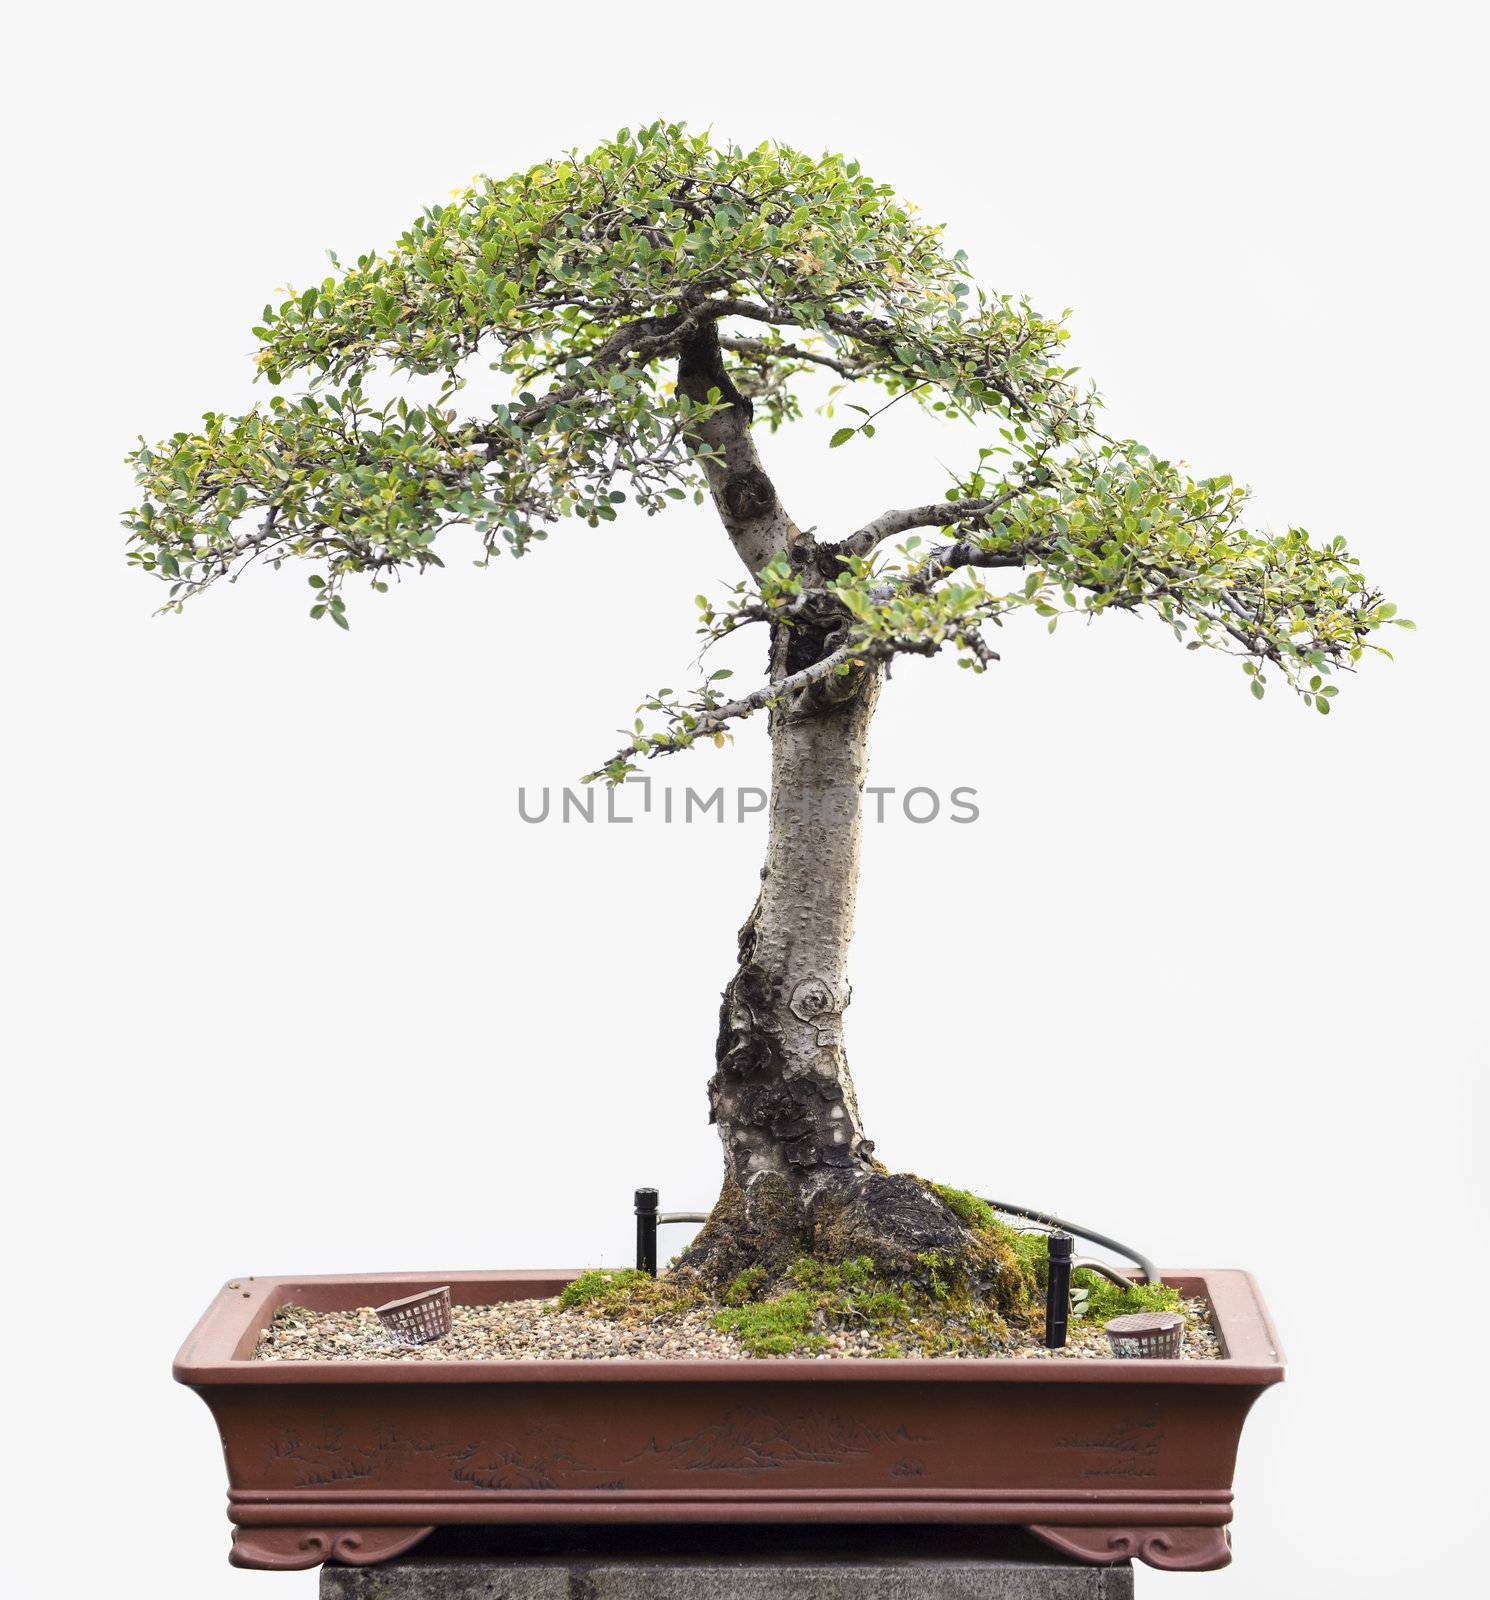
(905, 1230)
(767, 1229)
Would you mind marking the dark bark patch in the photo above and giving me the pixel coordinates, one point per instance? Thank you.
(701, 368)
(794, 1112)
(893, 1220)
(747, 1042)
(770, 1106)
(805, 646)
(748, 494)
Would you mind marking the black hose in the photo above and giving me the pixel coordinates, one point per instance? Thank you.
(1145, 1266)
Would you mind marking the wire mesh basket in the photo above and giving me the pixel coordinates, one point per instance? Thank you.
(1151, 1335)
(418, 1318)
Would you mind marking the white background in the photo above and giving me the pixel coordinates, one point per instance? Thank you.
(290, 987)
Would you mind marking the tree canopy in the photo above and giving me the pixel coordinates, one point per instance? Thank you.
(646, 302)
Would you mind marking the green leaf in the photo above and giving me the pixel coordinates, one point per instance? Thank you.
(841, 437)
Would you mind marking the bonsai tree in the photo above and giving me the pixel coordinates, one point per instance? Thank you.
(655, 306)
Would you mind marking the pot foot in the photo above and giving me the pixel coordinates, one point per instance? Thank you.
(1169, 1549)
(292, 1549)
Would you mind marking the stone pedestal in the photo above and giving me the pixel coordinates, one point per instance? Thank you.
(735, 1564)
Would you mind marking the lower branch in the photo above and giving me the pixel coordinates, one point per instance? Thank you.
(715, 716)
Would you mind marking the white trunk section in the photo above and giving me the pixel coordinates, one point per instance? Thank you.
(782, 1095)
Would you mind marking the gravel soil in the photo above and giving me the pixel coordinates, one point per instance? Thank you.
(536, 1330)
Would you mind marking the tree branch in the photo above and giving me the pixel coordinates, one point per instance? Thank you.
(763, 350)
(718, 717)
(855, 325)
(754, 310)
(939, 514)
(648, 337)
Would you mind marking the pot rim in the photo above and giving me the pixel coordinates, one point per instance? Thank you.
(219, 1350)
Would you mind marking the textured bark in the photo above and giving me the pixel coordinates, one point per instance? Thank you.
(781, 1094)
(744, 496)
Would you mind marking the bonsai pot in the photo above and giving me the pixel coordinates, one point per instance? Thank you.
(357, 1461)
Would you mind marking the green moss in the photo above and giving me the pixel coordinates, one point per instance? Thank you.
(1032, 1252)
(625, 1292)
(968, 1208)
(1010, 1263)
(599, 1286)
(781, 1326)
(1104, 1300)
(746, 1287)
(934, 1314)
(829, 1277)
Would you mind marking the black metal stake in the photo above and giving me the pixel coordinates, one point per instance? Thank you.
(1057, 1291)
(646, 1232)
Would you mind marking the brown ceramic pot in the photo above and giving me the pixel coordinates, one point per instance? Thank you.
(358, 1461)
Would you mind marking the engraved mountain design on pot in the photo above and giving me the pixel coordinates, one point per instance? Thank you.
(1143, 1437)
(747, 1439)
(535, 1459)
(1127, 1450)
(317, 1463)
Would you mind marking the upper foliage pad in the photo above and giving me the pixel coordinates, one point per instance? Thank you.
(584, 281)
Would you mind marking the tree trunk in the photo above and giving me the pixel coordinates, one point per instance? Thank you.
(800, 1174)
(781, 1094)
